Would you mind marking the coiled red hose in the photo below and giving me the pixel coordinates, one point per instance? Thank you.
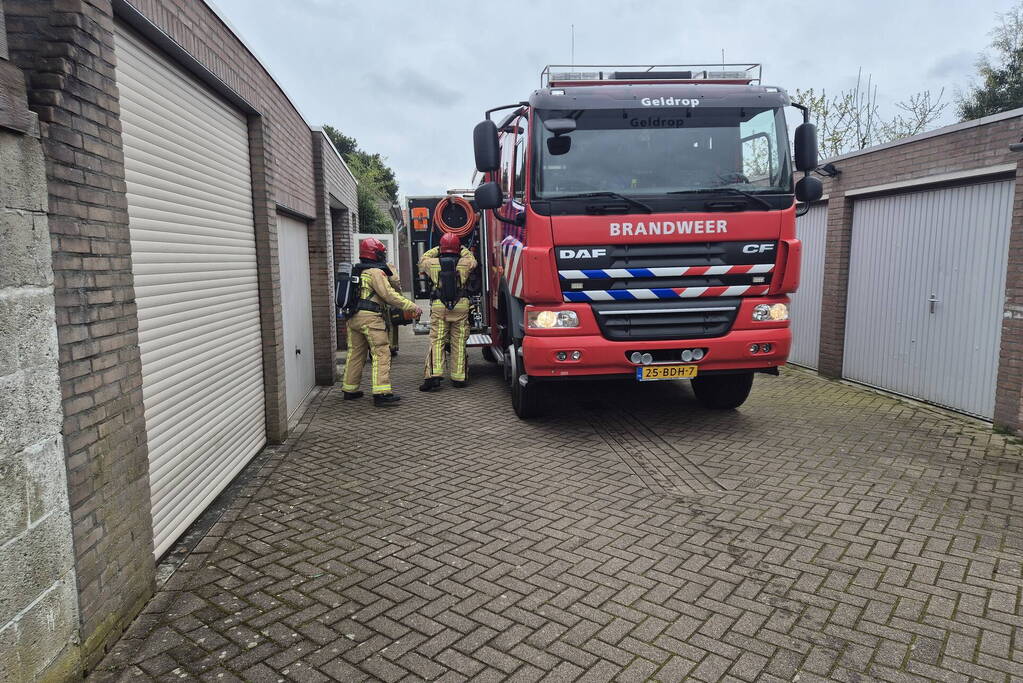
(460, 231)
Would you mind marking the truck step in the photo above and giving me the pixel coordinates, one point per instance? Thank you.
(478, 340)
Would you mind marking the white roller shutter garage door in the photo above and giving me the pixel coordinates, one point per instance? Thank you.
(297, 311)
(194, 260)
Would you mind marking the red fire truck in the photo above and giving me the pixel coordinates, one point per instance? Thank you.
(640, 222)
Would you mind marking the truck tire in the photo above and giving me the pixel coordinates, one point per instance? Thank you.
(527, 401)
(722, 392)
(506, 366)
(488, 354)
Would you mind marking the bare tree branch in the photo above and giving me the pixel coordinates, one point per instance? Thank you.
(851, 119)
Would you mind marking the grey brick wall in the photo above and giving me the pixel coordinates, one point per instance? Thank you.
(38, 600)
(959, 149)
(65, 48)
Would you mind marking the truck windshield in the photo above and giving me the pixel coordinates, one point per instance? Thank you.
(648, 152)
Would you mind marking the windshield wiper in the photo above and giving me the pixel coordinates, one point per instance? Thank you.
(610, 195)
(730, 190)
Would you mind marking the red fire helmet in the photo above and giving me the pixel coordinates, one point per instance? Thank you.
(450, 244)
(373, 249)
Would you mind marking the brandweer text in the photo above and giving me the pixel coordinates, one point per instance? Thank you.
(669, 228)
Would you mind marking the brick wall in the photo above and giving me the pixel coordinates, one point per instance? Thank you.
(341, 184)
(1009, 400)
(194, 26)
(954, 149)
(271, 319)
(65, 48)
(283, 173)
(38, 600)
(321, 268)
(337, 193)
(835, 286)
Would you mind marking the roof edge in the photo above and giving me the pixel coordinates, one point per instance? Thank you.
(219, 14)
(323, 133)
(944, 130)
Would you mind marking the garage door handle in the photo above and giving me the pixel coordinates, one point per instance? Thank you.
(298, 351)
(932, 301)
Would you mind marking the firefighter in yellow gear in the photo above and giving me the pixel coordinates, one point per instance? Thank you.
(449, 312)
(367, 332)
(392, 329)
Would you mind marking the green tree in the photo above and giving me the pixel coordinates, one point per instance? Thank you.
(371, 218)
(376, 181)
(345, 145)
(1001, 78)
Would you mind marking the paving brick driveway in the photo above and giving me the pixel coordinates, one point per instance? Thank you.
(820, 532)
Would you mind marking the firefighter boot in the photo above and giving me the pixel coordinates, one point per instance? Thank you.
(352, 395)
(430, 383)
(458, 383)
(385, 399)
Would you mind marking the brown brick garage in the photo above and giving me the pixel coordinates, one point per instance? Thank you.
(958, 156)
(68, 53)
(337, 218)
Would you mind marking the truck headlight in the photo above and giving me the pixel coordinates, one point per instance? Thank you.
(772, 312)
(549, 319)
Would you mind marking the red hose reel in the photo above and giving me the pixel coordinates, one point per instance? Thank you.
(462, 230)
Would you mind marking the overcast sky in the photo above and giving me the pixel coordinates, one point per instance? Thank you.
(410, 79)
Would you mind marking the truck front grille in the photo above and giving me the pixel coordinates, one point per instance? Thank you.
(666, 271)
(661, 320)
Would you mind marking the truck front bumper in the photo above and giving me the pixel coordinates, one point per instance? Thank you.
(599, 356)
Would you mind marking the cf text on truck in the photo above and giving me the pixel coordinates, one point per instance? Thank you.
(640, 222)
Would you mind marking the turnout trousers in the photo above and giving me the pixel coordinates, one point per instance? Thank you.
(449, 330)
(367, 335)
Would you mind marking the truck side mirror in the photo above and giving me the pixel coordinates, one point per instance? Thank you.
(489, 196)
(805, 140)
(809, 189)
(485, 147)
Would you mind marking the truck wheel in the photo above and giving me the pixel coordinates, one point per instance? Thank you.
(488, 354)
(527, 401)
(722, 392)
(506, 365)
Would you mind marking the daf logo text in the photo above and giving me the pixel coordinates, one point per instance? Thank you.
(757, 248)
(582, 253)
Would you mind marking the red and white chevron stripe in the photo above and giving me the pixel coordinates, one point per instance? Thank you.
(511, 251)
(664, 293)
(668, 271)
(691, 271)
